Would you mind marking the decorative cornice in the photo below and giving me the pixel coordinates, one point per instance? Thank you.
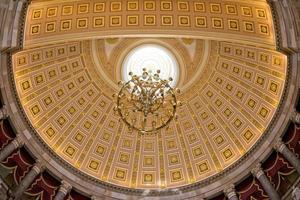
(277, 31)
(22, 23)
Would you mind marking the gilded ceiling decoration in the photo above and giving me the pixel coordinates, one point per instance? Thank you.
(54, 21)
(231, 75)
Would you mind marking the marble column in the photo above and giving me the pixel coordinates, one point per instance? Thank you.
(288, 154)
(4, 189)
(3, 113)
(64, 189)
(9, 149)
(296, 193)
(27, 180)
(296, 117)
(263, 179)
(230, 193)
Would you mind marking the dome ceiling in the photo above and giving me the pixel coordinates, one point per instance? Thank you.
(231, 75)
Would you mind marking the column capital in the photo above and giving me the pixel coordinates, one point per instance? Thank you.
(229, 191)
(3, 113)
(296, 117)
(39, 167)
(295, 193)
(279, 145)
(257, 171)
(18, 141)
(65, 187)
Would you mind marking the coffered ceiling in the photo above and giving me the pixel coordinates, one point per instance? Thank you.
(239, 20)
(230, 72)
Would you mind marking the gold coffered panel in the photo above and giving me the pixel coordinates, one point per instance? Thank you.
(57, 21)
(70, 107)
(231, 89)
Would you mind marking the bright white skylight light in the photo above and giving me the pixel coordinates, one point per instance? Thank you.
(152, 57)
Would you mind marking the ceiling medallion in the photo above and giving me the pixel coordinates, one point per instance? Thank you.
(147, 103)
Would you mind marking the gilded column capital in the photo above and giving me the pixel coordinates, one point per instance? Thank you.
(229, 191)
(65, 187)
(279, 146)
(257, 171)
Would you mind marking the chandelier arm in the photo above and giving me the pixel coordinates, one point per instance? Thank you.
(147, 97)
(135, 104)
(118, 99)
(174, 111)
(158, 88)
(159, 105)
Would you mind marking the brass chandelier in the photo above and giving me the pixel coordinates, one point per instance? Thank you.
(146, 103)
